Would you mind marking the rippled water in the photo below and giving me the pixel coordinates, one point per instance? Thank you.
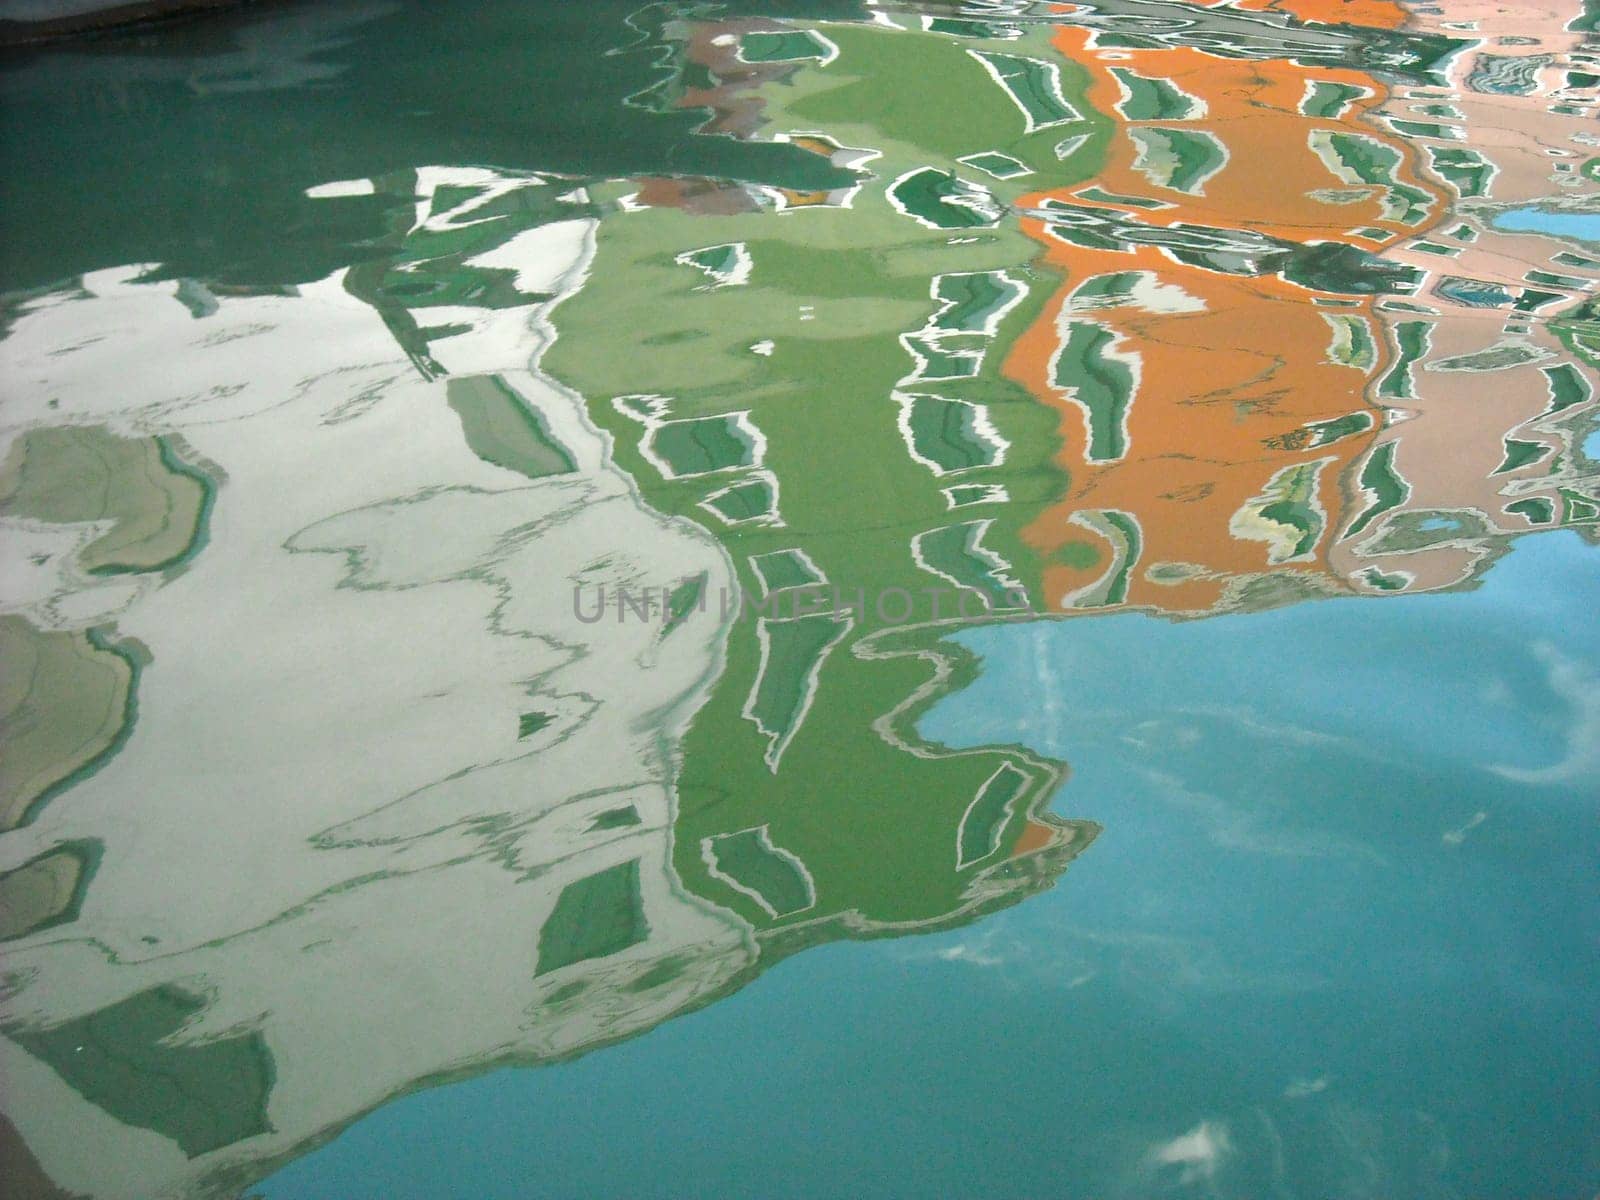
(1066, 533)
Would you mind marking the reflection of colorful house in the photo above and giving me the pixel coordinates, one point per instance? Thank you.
(1497, 382)
(1240, 381)
(440, 854)
(772, 364)
(1212, 364)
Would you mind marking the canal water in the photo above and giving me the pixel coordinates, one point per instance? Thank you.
(816, 599)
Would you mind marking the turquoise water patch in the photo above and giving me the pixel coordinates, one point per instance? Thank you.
(1584, 226)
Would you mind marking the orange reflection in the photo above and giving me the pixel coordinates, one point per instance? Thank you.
(1247, 402)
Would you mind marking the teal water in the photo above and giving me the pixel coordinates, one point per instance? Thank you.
(812, 599)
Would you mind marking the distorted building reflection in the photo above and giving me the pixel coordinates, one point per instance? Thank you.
(321, 785)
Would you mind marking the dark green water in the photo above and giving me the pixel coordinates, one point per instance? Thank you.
(812, 599)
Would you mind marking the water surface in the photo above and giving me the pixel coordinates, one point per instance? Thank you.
(811, 599)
